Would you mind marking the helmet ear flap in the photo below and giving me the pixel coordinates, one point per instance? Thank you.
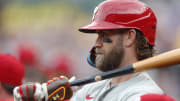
(91, 57)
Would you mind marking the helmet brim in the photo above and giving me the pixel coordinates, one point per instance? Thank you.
(93, 27)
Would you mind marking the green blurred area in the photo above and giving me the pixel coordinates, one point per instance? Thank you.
(40, 15)
(51, 25)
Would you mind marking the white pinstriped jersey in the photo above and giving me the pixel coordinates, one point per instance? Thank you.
(130, 90)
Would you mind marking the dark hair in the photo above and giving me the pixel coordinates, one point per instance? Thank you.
(8, 88)
(143, 48)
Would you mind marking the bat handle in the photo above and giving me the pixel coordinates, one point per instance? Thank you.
(105, 75)
(82, 81)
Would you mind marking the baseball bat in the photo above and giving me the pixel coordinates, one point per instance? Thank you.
(160, 61)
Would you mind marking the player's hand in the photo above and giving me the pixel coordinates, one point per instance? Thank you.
(57, 89)
(30, 92)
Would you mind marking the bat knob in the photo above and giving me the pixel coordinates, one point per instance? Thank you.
(98, 78)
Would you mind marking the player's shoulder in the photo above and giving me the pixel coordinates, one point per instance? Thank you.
(143, 81)
(140, 85)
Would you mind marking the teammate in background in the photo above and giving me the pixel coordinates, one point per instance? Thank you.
(28, 54)
(11, 75)
(126, 32)
(59, 64)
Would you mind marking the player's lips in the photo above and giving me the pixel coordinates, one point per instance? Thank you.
(99, 54)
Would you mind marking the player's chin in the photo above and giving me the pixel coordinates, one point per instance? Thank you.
(99, 60)
(100, 66)
(103, 69)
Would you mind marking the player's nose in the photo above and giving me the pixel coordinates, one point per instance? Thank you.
(99, 42)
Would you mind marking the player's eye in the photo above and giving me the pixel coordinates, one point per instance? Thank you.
(107, 40)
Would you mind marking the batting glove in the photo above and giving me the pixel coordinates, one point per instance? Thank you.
(57, 89)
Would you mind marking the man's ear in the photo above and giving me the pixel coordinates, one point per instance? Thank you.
(129, 38)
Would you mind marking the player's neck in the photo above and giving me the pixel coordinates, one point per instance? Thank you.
(118, 80)
(128, 60)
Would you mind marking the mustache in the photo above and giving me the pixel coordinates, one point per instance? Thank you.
(98, 50)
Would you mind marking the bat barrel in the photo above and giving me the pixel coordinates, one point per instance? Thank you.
(163, 60)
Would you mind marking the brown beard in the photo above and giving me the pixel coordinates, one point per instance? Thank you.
(113, 59)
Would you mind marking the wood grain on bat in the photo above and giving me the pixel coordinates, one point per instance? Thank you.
(162, 60)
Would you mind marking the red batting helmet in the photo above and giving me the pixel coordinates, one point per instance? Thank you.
(11, 70)
(122, 14)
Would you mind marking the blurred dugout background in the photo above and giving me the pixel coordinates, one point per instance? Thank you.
(44, 35)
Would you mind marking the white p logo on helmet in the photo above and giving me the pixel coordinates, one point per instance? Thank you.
(95, 11)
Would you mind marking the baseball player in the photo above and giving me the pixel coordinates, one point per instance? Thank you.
(126, 32)
(11, 75)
